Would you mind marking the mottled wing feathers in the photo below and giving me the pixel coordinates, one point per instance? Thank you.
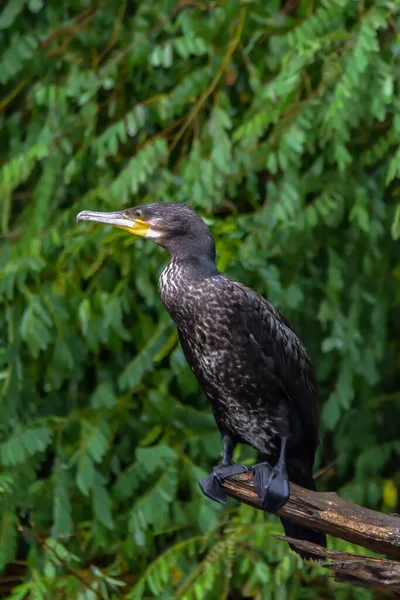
(273, 337)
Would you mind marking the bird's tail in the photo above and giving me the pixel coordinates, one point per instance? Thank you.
(305, 479)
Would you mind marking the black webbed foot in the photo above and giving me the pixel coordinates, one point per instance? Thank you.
(271, 485)
(210, 486)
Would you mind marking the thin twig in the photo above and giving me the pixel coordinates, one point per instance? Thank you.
(327, 467)
(28, 532)
(10, 97)
(65, 29)
(115, 32)
(136, 43)
(196, 108)
(179, 7)
(289, 7)
(70, 35)
(67, 566)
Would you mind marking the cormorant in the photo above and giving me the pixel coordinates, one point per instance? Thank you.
(250, 363)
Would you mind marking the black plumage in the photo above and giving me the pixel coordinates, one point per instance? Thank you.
(248, 360)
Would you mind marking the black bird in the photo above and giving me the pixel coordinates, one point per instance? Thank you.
(250, 363)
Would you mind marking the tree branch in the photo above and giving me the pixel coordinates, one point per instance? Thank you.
(357, 569)
(328, 512)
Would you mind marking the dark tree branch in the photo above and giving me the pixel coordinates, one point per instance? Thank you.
(367, 571)
(327, 512)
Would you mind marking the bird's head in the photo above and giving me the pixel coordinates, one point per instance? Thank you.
(175, 227)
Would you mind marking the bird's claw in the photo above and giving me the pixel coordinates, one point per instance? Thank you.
(271, 485)
(211, 485)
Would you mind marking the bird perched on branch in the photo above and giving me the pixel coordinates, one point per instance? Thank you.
(250, 363)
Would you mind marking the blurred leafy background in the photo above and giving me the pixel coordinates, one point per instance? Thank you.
(279, 121)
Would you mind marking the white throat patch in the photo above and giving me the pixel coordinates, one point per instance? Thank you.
(152, 234)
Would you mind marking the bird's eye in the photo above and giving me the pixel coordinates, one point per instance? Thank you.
(138, 214)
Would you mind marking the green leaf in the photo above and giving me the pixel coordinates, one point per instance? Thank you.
(35, 5)
(103, 396)
(10, 12)
(86, 474)
(61, 504)
(101, 504)
(395, 230)
(331, 412)
(94, 440)
(24, 443)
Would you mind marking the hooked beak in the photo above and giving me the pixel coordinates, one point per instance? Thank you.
(119, 219)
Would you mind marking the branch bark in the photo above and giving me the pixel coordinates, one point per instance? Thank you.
(328, 512)
(357, 569)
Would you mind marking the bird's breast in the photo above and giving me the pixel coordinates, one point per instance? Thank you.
(191, 302)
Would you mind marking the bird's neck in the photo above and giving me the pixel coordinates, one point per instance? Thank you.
(196, 267)
(192, 252)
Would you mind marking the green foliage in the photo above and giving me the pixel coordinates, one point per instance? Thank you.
(279, 122)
